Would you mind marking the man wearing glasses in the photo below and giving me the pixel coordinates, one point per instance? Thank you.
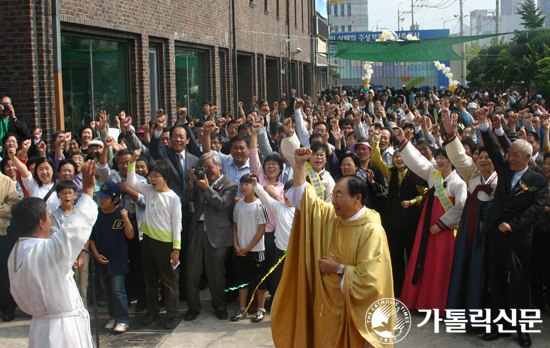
(340, 264)
(210, 200)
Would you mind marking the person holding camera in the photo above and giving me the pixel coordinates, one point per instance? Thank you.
(9, 122)
(210, 196)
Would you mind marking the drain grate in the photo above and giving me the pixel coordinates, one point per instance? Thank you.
(135, 339)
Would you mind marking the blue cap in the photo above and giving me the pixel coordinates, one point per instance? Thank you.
(538, 96)
(109, 189)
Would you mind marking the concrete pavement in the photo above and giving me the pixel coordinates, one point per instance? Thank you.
(208, 331)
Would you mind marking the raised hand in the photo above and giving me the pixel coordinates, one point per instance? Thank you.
(370, 176)
(37, 134)
(135, 155)
(160, 122)
(145, 127)
(103, 125)
(298, 103)
(302, 155)
(208, 127)
(376, 135)
(89, 169)
(336, 133)
(126, 123)
(497, 122)
(109, 141)
(182, 115)
(482, 114)
(399, 134)
(448, 124)
(287, 125)
(41, 147)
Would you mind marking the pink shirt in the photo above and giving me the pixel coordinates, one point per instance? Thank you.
(256, 168)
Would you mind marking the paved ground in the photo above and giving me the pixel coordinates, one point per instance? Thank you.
(208, 331)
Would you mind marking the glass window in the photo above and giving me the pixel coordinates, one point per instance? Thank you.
(349, 27)
(349, 9)
(335, 10)
(336, 28)
(343, 27)
(95, 77)
(328, 9)
(191, 81)
(342, 10)
(154, 81)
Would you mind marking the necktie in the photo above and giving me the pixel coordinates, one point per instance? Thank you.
(180, 162)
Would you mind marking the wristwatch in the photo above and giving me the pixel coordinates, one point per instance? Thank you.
(341, 270)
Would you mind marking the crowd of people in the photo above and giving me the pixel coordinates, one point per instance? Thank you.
(460, 180)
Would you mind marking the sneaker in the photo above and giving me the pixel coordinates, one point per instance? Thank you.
(260, 314)
(238, 315)
(120, 327)
(110, 324)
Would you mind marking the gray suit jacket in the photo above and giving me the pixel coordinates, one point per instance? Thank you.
(217, 204)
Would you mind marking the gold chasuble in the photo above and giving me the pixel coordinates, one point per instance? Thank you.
(310, 310)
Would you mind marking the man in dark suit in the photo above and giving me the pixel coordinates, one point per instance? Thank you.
(211, 201)
(519, 202)
(175, 154)
(534, 139)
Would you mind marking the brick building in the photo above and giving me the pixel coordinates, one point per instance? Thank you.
(142, 55)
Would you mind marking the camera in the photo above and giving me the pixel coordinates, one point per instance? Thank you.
(200, 172)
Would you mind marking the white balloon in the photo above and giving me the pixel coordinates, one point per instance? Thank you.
(370, 71)
(450, 75)
(409, 37)
(437, 64)
(447, 70)
(442, 67)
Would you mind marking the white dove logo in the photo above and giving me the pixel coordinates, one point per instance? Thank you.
(380, 316)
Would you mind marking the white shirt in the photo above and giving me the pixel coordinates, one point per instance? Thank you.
(517, 176)
(43, 285)
(283, 215)
(248, 216)
(41, 191)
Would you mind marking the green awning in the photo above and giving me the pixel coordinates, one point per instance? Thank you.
(403, 51)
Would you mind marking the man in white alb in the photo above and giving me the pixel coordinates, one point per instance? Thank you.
(40, 269)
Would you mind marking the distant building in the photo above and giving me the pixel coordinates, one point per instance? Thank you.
(484, 22)
(509, 7)
(348, 16)
(544, 6)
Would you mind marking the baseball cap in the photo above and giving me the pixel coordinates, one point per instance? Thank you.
(472, 105)
(108, 189)
(95, 143)
(352, 148)
(538, 96)
(140, 131)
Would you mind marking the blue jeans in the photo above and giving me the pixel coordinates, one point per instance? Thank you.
(115, 295)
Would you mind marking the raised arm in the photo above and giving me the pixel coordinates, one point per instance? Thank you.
(301, 130)
(490, 142)
(376, 158)
(412, 157)
(456, 152)
(21, 168)
(139, 187)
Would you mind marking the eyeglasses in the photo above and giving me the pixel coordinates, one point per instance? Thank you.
(319, 155)
(66, 193)
(154, 177)
(339, 195)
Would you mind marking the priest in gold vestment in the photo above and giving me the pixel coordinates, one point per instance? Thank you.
(337, 265)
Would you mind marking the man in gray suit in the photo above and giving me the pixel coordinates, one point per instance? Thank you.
(211, 201)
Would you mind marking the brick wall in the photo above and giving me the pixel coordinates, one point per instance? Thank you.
(26, 55)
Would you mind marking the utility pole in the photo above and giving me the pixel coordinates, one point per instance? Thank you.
(367, 13)
(412, 14)
(497, 15)
(398, 16)
(463, 45)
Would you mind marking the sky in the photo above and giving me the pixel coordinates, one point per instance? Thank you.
(385, 12)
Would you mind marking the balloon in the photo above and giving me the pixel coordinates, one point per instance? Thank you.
(437, 64)
(409, 37)
(370, 71)
(442, 67)
(447, 70)
(450, 75)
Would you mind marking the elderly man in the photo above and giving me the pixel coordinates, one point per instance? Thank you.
(40, 268)
(519, 202)
(211, 233)
(338, 264)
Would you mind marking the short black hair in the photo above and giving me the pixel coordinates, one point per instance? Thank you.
(65, 184)
(163, 168)
(77, 153)
(240, 137)
(247, 178)
(314, 135)
(353, 157)
(320, 123)
(216, 136)
(67, 161)
(187, 130)
(441, 151)
(207, 102)
(319, 146)
(356, 186)
(3, 164)
(534, 135)
(26, 215)
(11, 134)
(288, 185)
(82, 130)
(94, 156)
(76, 138)
(261, 101)
(346, 122)
(244, 126)
(274, 157)
(38, 162)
